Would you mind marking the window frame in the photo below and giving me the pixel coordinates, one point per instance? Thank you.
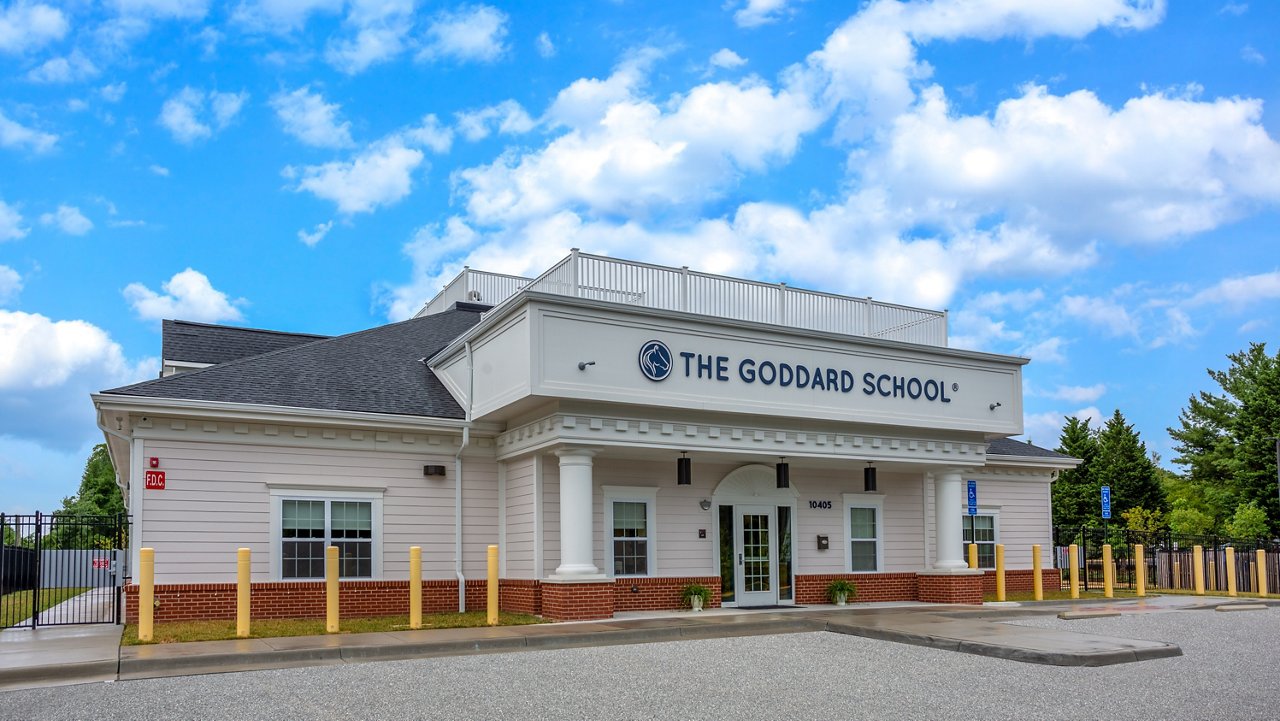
(281, 494)
(630, 494)
(874, 501)
(994, 513)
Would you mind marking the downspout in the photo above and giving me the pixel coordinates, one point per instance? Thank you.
(457, 483)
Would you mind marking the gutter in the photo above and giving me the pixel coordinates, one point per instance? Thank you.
(112, 456)
(457, 483)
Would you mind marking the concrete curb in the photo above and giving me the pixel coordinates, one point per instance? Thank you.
(35, 676)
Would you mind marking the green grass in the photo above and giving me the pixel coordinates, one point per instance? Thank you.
(180, 631)
(16, 607)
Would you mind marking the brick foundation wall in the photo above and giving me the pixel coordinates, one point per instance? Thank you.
(1022, 580)
(947, 588)
(519, 595)
(871, 587)
(577, 601)
(660, 594)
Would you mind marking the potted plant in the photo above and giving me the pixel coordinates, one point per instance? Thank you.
(695, 596)
(840, 589)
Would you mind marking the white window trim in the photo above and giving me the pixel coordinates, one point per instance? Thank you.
(631, 494)
(994, 512)
(864, 500)
(311, 493)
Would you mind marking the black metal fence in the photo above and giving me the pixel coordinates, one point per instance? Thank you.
(1168, 559)
(61, 569)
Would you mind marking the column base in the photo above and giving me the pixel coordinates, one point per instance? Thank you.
(577, 599)
(950, 586)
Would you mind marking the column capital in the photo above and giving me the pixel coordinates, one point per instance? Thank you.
(579, 454)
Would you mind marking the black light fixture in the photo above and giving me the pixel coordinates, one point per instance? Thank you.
(783, 472)
(869, 478)
(684, 470)
(433, 470)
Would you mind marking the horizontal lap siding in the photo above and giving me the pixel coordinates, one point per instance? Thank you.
(1024, 517)
(217, 500)
(521, 513)
(902, 522)
(550, 514)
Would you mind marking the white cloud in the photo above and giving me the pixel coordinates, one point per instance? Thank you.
(726, 58)
(186, 115)
(70, 69)
(1250, 54)
(188, 295)
(159, 170)
(1049, 350)
(28, 26)
(469, 34)
(755, 13)
(68, 219)
(163, 9)
(10, 284)
(11, 227)
(381, 175)
(307, 117)
(1253, 326)
(1241, 290)
(546, 48)
(1100, 313)
(507, 117)
(1078, 394)
(427, 134)
(310, 238)
(1045, 429)
(15, 135)
(1234, 8)
(377, 34)
(281, 16)
(47, 370)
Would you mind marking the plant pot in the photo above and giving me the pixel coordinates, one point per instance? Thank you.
(695, 602)
(842, 599)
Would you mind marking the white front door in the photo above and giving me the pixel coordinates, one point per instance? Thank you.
(756, 548)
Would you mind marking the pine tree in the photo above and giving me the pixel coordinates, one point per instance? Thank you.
(1074, 491)
(1123, 464)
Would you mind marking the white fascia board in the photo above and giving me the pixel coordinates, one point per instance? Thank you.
(278, 414)
(1042, 462)
(525, 297)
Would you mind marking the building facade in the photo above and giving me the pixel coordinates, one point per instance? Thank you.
(620, 430)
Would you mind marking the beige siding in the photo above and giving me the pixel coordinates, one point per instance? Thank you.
(1025, 516)
(550, 514)
(217, 499)
(521, 518)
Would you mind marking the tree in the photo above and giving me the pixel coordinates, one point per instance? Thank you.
(1075, 493)
(1191, 522)
(1140, 519)
(1249, 521)
(1123, 464)
(1223, 439)
(99, 495)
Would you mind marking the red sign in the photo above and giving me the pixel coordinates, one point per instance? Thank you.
(102, 563)
(155, 480)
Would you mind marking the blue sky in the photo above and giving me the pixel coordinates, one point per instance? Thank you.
(1094, 184)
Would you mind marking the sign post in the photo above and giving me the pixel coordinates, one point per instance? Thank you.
(1106, 510)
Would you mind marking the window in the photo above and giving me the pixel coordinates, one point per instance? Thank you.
(629, 548)
(981, 529)
(864, 531)
(306, 522)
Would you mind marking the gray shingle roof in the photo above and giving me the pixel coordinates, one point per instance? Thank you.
(374, 371)
(1011, 447)
(183, 340)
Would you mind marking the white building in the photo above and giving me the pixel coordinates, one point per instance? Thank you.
(825, 436)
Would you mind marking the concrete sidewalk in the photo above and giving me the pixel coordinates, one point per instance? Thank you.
(50, 656)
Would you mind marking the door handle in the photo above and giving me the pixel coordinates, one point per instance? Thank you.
(739, 559)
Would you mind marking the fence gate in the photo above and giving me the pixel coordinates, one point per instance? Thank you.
(61, 569)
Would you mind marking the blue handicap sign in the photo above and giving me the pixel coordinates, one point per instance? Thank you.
(973, 498)
(1106, 501)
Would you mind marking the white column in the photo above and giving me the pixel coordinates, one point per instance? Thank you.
(575, 516)
(948, 499)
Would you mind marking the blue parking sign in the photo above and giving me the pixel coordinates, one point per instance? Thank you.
(973, 498)
(1106, 502)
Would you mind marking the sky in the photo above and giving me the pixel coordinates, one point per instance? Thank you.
(1093, 184)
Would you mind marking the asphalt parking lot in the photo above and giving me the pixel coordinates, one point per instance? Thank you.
(1227, 672)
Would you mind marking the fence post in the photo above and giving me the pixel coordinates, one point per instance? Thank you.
(1197, 568)
(1231, 571)
(242, 593)
(331, 589)
(1108, 572)
(415, 587)
(1262, 573)
(1037, 583)
(35, 592)
(146, 593)
(1139, 570)
(492, 586)
(1073, 560)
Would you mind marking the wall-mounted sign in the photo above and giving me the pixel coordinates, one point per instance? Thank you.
(155, 480)
(973, 498)
(820, 504)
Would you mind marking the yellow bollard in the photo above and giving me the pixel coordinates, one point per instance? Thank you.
(1037, 583)
(1262, 573)
(1197, 568)
(1231, 571)
(146, 593)
(242, 593)
(492, 586)
(999, 571)
(1073, 560)
(1139, 570)
(331, 589)
(1108, 572)
(415, 587)
(973, 555)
